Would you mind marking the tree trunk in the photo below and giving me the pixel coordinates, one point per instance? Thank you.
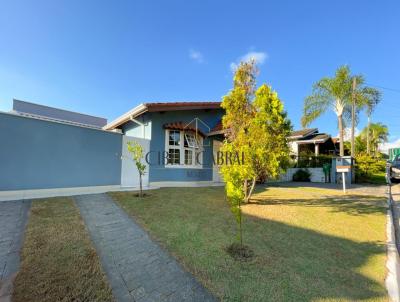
(368, 135)
(250, 192)
(240, 225)
(140, 183)
(341, 135)
(353, 125)
(245, 189)
(353, 117)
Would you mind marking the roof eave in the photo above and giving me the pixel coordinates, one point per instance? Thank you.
(138, 110)
(218, 132)
(312, 141)
(310, 132)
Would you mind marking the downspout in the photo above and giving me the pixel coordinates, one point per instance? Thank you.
(139, 123)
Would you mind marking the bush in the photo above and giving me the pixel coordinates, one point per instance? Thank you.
(367, 168)
(302, 175)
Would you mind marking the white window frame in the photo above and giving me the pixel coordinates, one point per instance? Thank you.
(195, 148)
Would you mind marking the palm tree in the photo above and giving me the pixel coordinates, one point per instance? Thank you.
(330, 93)
(377, 133)
(372, 102)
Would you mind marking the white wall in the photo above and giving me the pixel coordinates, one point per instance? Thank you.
(129, 173)
(294, 148)
(317, 174)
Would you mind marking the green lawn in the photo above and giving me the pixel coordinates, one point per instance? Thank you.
(309, 244)
(58, 262)
(378, 178)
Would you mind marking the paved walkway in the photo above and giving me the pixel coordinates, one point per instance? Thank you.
(137, 268)
(13, 218)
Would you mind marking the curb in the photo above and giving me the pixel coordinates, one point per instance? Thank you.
(393, 259)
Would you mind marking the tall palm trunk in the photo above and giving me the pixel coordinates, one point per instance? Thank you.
(368, 135)
(353, 126)
(341, 134)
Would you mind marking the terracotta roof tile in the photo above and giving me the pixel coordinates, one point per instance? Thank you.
(152, 107)
(217, 127)
(182, 126)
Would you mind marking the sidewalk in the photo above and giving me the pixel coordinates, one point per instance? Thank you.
(13, 219)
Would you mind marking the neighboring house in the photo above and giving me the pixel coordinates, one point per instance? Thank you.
(311, 141)
(181, 139)
(52, 114)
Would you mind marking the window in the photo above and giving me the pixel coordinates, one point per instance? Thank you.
(190, 140)
(174, 138)
(174, 152)
(174, 156)
(188, 154)
(188, 157)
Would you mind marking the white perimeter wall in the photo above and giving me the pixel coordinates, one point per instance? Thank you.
(317, 174)
(129, 173)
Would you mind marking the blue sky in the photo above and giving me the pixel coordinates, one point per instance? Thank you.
(105, 57)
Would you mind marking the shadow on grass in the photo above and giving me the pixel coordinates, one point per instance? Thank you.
(291, 263)
(306, 265)
(320, 185)
(351, 204)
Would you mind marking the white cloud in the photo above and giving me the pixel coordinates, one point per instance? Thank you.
(196, 56)
(258, 56)
(384, 148)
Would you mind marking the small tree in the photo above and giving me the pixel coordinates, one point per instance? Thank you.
(136, 150)
(257, 127)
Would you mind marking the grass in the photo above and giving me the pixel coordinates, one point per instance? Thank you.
(310, 244)
(378, 178)
(58, 261)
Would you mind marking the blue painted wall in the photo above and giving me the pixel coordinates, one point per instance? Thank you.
(159, 172)
(37, 154)
(135, 130)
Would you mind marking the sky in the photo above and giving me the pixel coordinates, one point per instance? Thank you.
(105, 57)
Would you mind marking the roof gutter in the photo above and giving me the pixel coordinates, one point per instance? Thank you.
(138, 110)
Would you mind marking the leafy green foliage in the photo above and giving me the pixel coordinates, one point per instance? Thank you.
(367, 167)
(377, 133)
(136, 151)
(257, 127)
(302, 175)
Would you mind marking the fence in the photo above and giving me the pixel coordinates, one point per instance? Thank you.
(311, 161)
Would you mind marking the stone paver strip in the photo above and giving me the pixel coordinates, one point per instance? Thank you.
(13, 219)
(137, 268)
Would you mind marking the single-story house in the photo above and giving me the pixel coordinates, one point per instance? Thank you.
(45, 148)
(312, 141)
(181, 136)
